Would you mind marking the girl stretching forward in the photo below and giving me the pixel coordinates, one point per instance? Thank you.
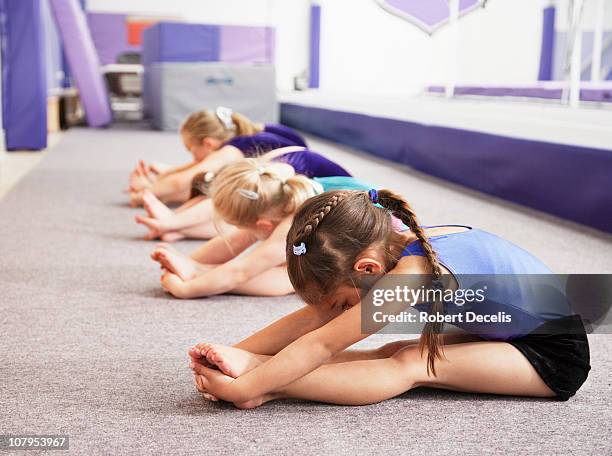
(259, 198)
(194, 219)
(338, 242)
(214, 139)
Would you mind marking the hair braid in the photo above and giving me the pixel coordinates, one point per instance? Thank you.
(431, 333)
(312, 225)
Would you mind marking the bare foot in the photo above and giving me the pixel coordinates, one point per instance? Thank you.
(152, 224)
(154, 207)
(158, 230)
(253, 403)
(172, 236)
(140, 178)
(181, 265)
(230, 360)
(135, 199)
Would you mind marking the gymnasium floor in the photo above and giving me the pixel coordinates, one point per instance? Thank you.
(91, 347)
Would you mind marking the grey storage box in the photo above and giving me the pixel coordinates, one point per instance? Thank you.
(174, 90)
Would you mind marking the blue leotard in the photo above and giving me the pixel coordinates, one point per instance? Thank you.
(342, 183)
(272, 137)
(517, 283)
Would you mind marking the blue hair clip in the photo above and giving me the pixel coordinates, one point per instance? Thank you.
(373, 194)
(299, 249)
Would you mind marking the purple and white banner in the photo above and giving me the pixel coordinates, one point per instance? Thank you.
(428, 15)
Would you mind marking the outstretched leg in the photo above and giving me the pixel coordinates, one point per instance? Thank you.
(193, 221)
(478, 367)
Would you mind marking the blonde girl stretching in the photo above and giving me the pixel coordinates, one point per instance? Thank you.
(214, 139)
(338, 242)
(194, 219)
(259, 198)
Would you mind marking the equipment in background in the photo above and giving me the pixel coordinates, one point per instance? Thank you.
(124, 83)
(178, 89)
(192, 66)
(83, 60)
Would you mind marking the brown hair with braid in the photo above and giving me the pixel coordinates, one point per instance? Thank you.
(337, 227)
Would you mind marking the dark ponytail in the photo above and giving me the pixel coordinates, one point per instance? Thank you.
(431, 336)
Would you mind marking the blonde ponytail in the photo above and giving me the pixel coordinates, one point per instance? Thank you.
(244, 191)
(244, 126)
(206, 124)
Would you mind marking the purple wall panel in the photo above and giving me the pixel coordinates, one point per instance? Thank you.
(24, 82)
(109, 34)
(83, 60)
(548, 44)
(520, 170)
(242, 44)
(315, 45)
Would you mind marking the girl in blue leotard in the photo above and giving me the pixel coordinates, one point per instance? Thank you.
(338, 242)
(258, 199)
(194, 219)
(214, 139)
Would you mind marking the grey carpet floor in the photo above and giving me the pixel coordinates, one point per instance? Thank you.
(91, 347)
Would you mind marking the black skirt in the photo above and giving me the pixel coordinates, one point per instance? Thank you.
(559, 352)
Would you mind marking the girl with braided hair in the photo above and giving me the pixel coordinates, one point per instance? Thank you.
(341, 240)
(214, 138)
(257, 199)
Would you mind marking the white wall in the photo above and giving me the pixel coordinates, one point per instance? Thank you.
(290, 17)
(363, 47)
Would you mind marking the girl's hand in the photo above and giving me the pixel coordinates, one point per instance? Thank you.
(173, 284)
(217, 384)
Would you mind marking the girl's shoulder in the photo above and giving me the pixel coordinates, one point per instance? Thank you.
(411, 265)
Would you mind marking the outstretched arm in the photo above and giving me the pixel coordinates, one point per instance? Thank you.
(176, 187)
(222, 249)
(312, 349)
(296, 360)
(276, 336)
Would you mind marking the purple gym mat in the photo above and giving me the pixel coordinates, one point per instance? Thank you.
(428, 15)
(552, 90)
(83, 60)
(177, 42)
(180, 42)
(24, 83)
(571, 182)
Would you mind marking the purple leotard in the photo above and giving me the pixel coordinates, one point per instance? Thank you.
(312, 164)
(272, 137)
